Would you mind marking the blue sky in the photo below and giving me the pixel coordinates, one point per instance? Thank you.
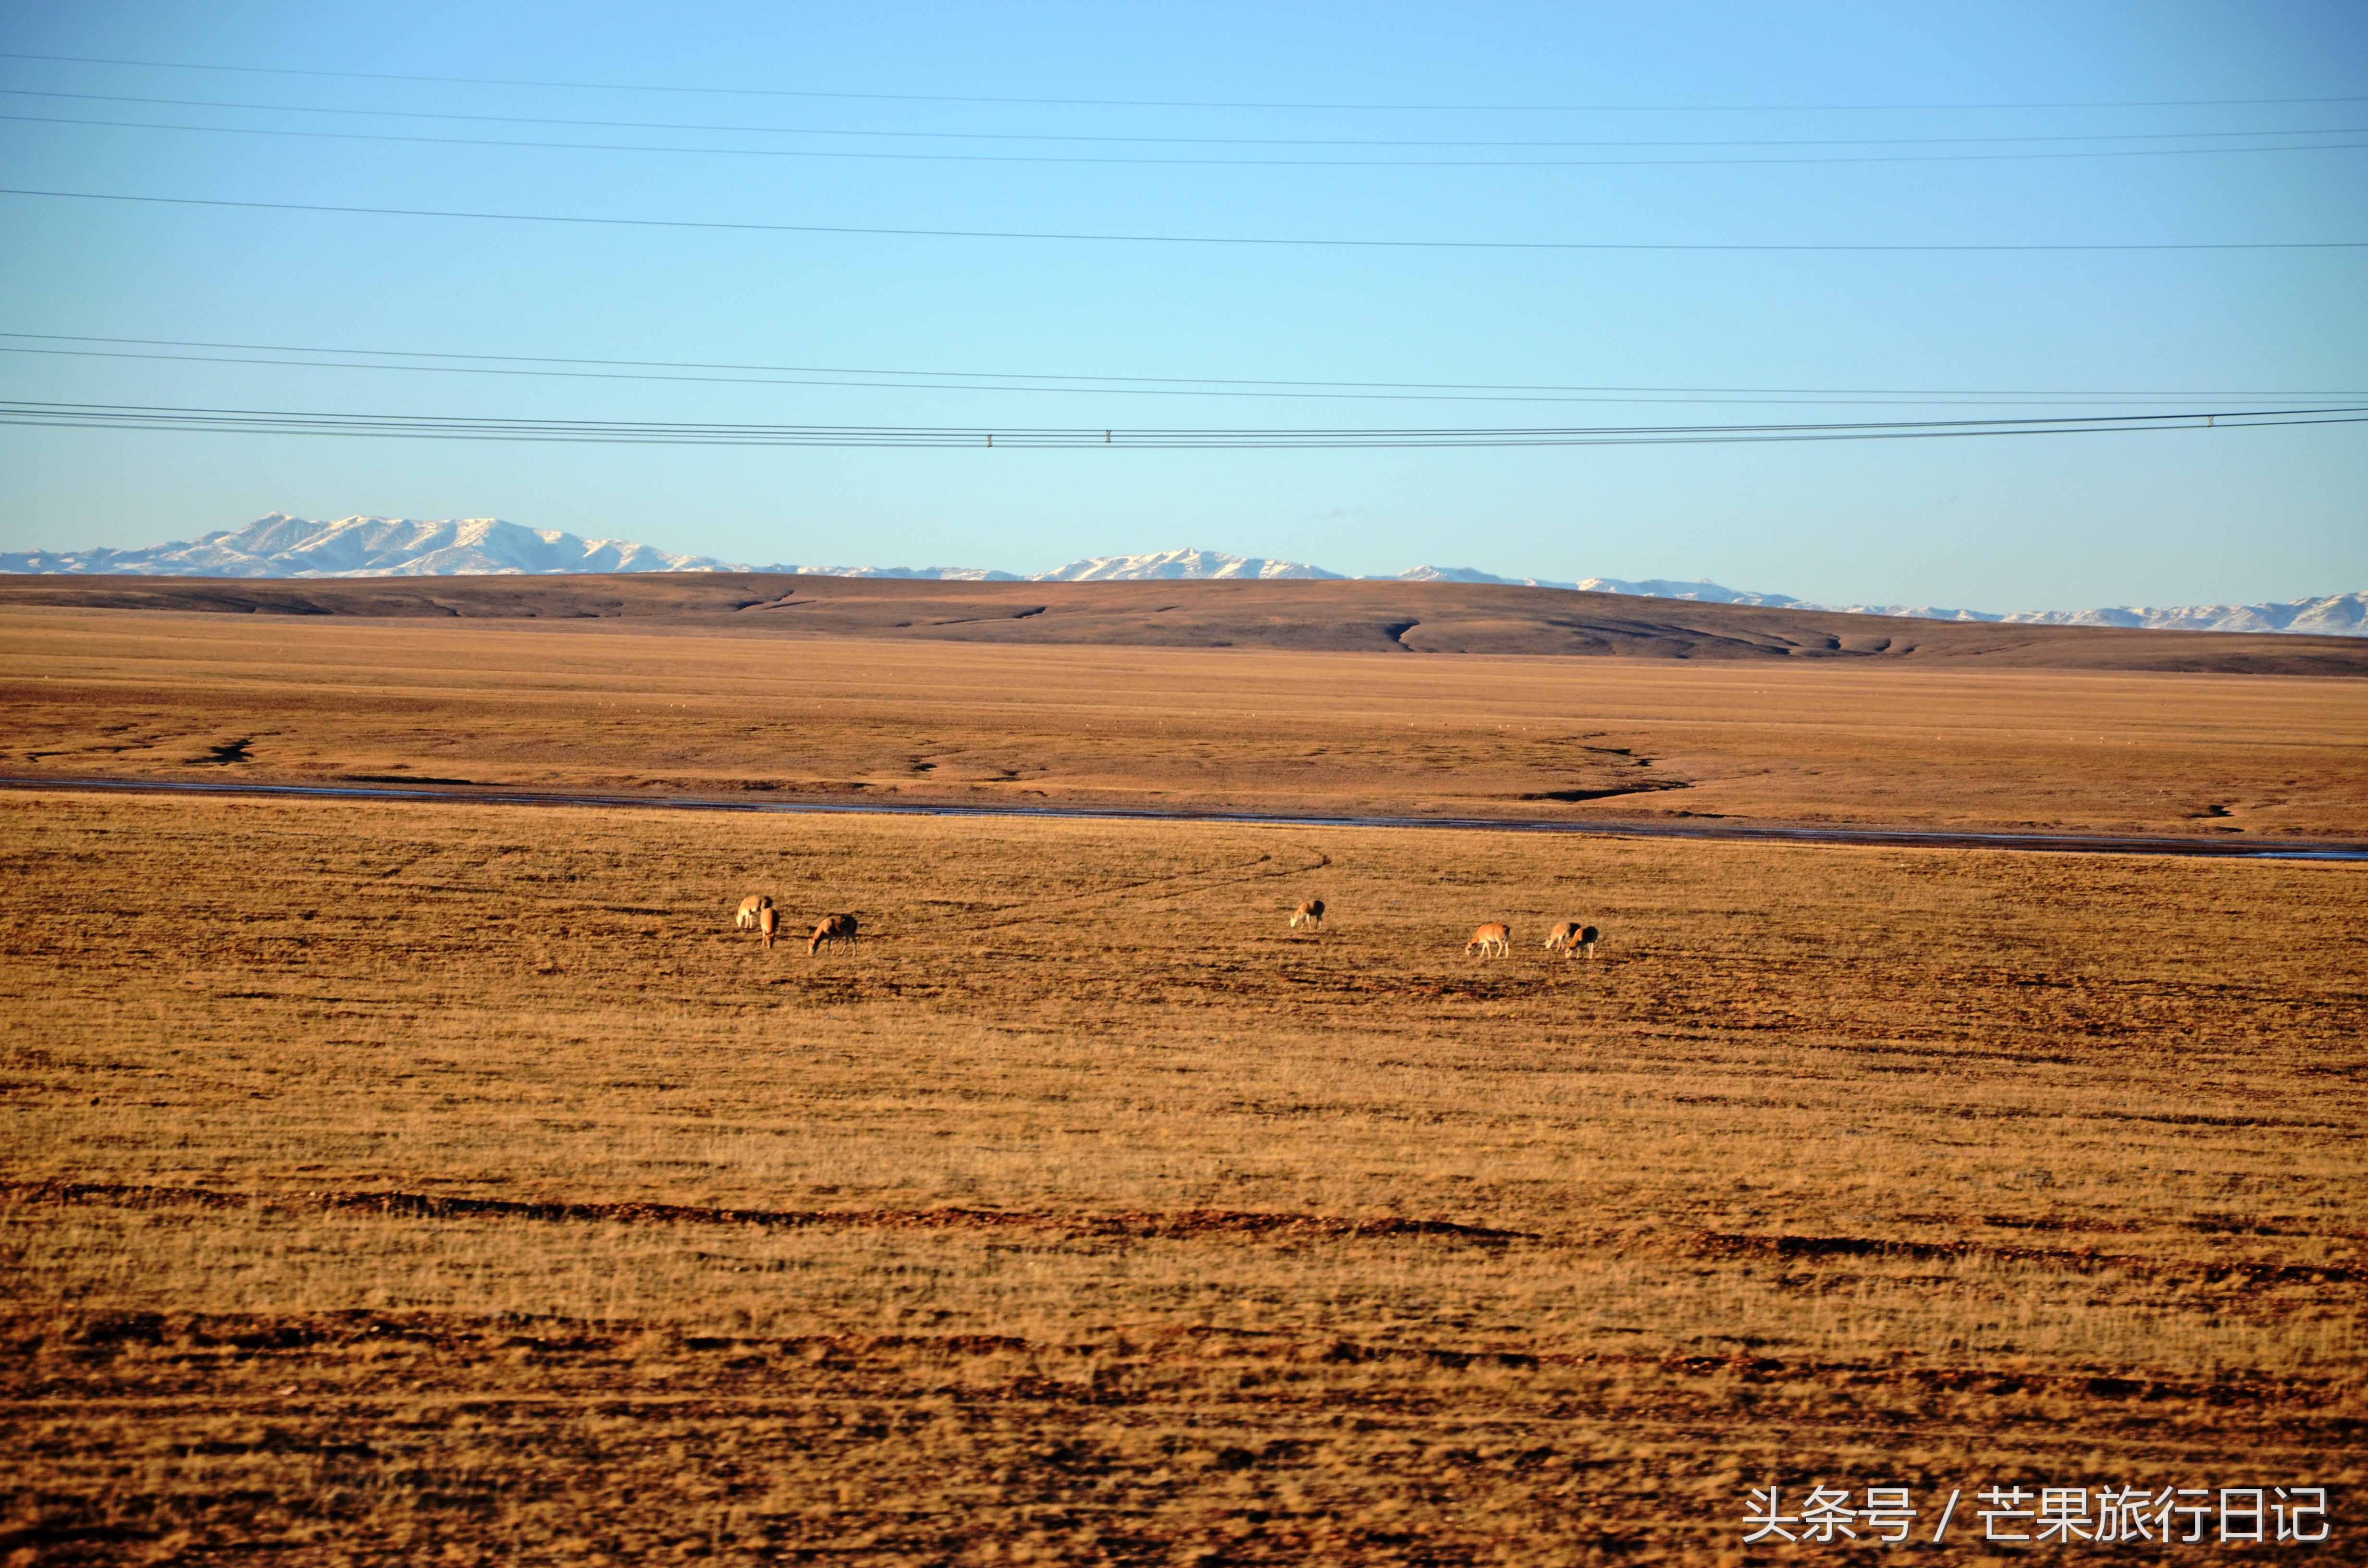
(2027, 523)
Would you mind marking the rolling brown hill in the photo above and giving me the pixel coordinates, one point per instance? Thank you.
(1419, 618)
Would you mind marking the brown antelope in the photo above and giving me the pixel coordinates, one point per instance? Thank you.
(767, 919)
(833, 929)
(1493, 937)
(1308, 913)
(1570, 936)
(1582, 942)
(749, 907)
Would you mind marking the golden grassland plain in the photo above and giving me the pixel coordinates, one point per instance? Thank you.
(621, 705)
(394, 1183)
(1393, 618)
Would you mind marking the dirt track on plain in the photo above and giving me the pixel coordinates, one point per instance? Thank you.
(621, 706)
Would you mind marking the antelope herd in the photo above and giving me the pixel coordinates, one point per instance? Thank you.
(758, 913)
(1571, 938)
(1493, 940)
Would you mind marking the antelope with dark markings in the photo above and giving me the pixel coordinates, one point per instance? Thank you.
(832, 928)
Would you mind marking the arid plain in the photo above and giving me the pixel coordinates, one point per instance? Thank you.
(1937, 736)
(389, 1182)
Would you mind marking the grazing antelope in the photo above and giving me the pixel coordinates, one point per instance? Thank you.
(1582, 941)
(1308, 913)
(749, 907)
(1493, 937)
(767, 919)
(1562, 937)
(833, 929)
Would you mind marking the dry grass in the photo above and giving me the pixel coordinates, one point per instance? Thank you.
(1297, 615)
(1087, 1212)
(620, 706)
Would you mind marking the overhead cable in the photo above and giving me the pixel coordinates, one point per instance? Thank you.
(1131, 387)
(736, 128)
(237, 421)
(731, 227)
(860, 154)
(1168, 103)
(2192, 395)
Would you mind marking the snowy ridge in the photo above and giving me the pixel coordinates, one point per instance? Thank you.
(1701, 592)
(2332, 615)
(1197, 565)
(1169, 566)
(282, 546)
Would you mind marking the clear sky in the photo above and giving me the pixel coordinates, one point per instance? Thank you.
(1749, 107)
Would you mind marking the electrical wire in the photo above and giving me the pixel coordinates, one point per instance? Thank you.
(1270, 241)
(1838, 399)
(1100, 380)
(1168, 103)
(870, 156)
(234, 421)
(738, 128)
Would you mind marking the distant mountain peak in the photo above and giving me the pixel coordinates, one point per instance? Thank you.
(1701, 591)
(279, 545)
(1179, 564)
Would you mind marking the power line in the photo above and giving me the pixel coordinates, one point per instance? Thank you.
(232, 421)
(1172, 381)
(1149, 141)
(1130, 386)
(1166, 102)
(1271, 242)
(870, 156)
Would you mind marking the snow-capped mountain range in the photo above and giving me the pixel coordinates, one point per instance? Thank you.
(282, 546)
(2330, 615)
(277, 545)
